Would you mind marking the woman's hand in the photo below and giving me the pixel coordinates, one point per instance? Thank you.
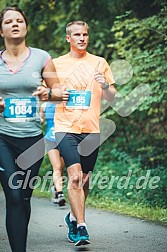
(2, 105)
(42, 93)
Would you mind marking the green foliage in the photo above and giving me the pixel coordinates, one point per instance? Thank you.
(119, 177)
(119, 29)
(140, 138)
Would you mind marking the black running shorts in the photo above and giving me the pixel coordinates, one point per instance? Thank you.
(79, 148)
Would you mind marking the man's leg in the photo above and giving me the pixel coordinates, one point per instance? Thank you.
(86, 181)
(77, 202)
(57, 164)
(76, 192)
(91, 142)
(68, 145)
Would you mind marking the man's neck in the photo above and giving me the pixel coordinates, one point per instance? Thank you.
(77, 54)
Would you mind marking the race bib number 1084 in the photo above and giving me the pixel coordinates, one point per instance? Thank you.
(20, 109)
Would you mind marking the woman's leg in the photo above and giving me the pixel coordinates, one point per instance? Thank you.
(28, 189)
(15, 214)
(17, 198)
(31, 173)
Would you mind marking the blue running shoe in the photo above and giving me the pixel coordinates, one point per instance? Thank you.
(72, 225)
(82, 237)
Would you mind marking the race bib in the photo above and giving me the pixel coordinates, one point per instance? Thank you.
(79, 99)
(20, 109)
(50, 135)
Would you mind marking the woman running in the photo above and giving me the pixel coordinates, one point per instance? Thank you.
(22, 70)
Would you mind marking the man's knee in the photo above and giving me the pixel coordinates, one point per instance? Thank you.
(75, 180)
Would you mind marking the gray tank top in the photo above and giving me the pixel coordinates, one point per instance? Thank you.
(21, 115)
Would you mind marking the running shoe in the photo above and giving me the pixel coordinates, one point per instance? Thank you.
(72, 225)
(82, 237)
(54, 198)
(61, 200)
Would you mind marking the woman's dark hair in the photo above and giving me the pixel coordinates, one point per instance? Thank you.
(13, 9)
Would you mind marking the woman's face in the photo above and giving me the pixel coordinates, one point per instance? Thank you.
(13, 26)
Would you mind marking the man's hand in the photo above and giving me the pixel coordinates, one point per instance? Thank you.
(108, 90)
(65, 96)
(2, 105)
(99, 78)
(60, 95)
(42, 93)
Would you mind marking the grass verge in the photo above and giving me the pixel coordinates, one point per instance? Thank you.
(155, 214)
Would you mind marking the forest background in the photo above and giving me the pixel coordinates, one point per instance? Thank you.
(131, 35)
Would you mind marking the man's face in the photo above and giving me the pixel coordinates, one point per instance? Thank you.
(78, 38)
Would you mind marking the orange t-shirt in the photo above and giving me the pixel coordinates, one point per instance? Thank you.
(78, 74)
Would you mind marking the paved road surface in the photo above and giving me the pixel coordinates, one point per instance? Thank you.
(109, 232)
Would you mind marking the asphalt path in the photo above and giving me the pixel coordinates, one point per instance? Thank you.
(109, 232)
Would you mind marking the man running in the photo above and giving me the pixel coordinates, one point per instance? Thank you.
(86, 78)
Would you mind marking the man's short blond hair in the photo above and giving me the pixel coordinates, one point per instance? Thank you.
(68, 27)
